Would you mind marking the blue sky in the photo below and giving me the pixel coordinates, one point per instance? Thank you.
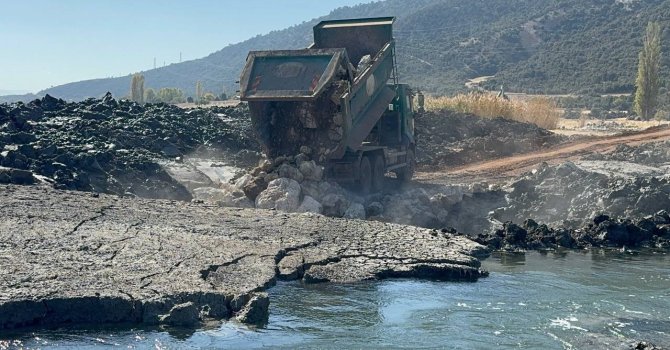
(51, 42)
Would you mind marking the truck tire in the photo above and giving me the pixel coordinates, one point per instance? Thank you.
(406, 173)
(365, 176)
(378, 172)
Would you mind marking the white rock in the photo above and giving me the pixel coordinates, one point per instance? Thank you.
(243, 181)
(282, 194)
(310, 205)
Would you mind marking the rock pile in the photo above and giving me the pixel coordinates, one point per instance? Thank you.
(297, 184)
(656, 154)
(111, 146)
(449, 138)
(651, 231)
(567, 194)
(290, 184)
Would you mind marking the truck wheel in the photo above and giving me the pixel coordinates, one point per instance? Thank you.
(378, 172)
(406, 173)
(365, 176)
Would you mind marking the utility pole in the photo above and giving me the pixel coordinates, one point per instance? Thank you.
(179, 56)
(154, 62)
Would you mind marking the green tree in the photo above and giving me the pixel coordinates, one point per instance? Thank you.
(647, 82)
(199, 91)
(171, 95)
(209, 97)
(137, 88)
(150, 96)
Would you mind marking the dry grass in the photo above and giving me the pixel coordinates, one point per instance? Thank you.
(540, 111)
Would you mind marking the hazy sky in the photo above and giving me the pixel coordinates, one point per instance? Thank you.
(50, 42)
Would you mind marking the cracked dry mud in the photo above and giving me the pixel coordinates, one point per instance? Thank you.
(80, 258)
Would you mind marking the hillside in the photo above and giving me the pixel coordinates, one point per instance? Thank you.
(549, 46)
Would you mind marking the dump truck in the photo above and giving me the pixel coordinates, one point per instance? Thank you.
(340, 99)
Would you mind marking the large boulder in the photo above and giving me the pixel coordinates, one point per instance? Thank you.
(16, 176)
(310, 205)
(282, 194)
(182, 315)
(256, 311)
(288, 171)
(243, 181)
(612, 233)
(254, 187)
(514, 234)
(355, 211)
(374, 209)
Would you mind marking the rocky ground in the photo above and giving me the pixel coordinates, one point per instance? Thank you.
(161, 151)
(76, 257)
(116, 147)
(297, 183)
(651, 154)
(570, 194)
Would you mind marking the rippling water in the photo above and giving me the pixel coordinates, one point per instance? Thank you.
(549, 301)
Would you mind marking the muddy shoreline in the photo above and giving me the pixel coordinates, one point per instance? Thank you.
(69, 258)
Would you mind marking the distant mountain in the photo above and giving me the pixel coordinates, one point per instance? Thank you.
(14, 98)
(4, 92)
(548, 46)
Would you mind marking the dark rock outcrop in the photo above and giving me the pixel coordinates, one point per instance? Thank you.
(651, 231)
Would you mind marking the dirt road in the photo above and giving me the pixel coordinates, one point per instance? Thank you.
(504, 168)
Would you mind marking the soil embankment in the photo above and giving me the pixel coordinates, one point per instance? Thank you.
(447, 139)
(76, 257)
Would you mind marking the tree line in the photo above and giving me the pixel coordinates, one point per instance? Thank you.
(170, 95)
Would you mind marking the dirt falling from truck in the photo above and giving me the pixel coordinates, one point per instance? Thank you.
(284, 127)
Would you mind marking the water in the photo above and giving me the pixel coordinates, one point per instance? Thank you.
(551, 301)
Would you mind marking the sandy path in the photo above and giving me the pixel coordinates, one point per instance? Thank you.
(503, 168)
